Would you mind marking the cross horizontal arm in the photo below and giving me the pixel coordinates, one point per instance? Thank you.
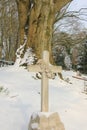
(55, 69)
(34, 68)
(37, 68)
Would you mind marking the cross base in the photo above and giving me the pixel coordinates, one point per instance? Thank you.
(45, 121)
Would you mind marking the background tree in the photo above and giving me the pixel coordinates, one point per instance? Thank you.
(8, 29)
(69, 34)
(61, 48)
(36, 20)
(72, 46)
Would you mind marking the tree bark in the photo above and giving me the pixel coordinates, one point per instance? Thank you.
(41, 26)
(39, 16)
(23, 7)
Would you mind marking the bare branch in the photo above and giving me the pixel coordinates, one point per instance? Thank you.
(76, 14)
(60, 4)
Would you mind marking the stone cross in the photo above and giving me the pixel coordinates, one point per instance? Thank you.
(43, 66)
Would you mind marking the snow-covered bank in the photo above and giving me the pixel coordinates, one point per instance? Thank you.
(23, 98)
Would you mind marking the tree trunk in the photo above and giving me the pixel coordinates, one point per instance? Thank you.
(36, 20)
(23, 7)
(41, 26)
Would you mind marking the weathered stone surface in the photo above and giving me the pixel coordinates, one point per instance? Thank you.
(55, 122)
(43, 121)
(40, 121)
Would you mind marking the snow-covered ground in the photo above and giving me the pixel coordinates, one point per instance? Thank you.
(20, 97)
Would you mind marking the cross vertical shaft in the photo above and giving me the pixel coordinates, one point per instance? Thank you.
(44, 86)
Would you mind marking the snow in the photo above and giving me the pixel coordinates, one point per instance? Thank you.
(66, 97)
(34, 125)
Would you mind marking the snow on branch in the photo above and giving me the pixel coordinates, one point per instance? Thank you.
(28, 56)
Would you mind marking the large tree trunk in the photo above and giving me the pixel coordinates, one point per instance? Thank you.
(41, 26)
(23, 8)
(36, 20)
